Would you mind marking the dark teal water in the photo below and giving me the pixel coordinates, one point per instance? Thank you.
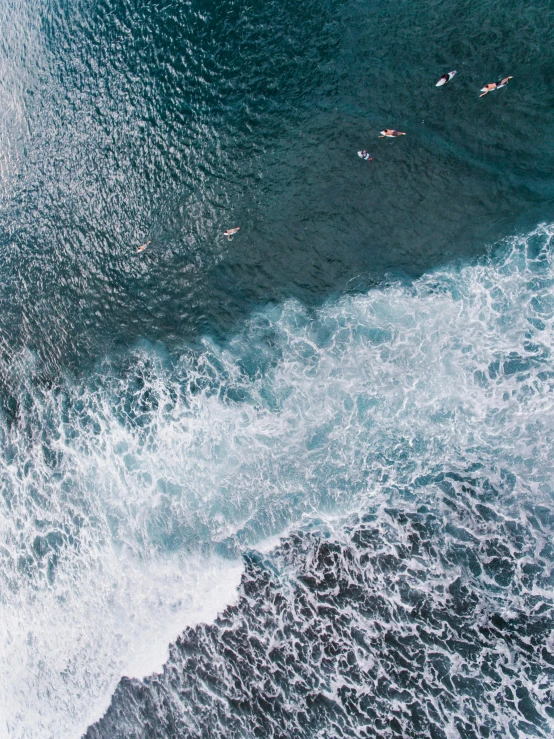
(175, 121)
(373, 331)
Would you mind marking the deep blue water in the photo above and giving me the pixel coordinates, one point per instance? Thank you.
(299, 483)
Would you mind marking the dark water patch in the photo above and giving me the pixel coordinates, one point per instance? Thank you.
(391, 624)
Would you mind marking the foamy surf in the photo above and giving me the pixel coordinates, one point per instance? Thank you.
(124, 517)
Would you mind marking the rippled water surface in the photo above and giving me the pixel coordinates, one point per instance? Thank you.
(335, 430)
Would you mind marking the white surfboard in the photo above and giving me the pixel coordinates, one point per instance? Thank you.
(445, 78)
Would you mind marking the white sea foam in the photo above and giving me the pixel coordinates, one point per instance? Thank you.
(126, 499)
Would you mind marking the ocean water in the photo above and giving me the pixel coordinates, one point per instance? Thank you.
(299, 483)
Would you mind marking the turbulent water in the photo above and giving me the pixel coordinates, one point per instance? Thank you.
(299, 483)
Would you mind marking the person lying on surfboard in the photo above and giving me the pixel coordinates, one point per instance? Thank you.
(143, 247)
(231, 232)
(445, 78)
(365, 155)
(390, 133)
(495, 86)
(487, 88)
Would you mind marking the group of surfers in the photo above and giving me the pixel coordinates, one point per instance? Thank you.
(388, 133)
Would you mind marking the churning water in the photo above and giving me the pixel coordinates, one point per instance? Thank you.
(299, 484)
(402, 438)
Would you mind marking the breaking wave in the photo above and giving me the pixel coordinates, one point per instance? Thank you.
(399, 441)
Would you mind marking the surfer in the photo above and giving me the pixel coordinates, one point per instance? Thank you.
(390, 133)
(445, 78)
(365, 155)
(487, 88)
(143, 247)
(231, 232)
(495, 85)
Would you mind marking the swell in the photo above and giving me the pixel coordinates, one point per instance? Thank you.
(128, 501)
(428, 611)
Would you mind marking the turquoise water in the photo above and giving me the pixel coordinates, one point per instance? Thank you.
(333, 431)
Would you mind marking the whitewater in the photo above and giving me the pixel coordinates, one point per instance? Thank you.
(134, 500)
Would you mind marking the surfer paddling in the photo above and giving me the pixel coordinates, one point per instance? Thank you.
(143, 247)
(445, 78)
(495, 86)
(487, 88)
(390, 133)
(365, 155)
(231, 232)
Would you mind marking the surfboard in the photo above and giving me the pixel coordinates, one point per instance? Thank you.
(445, 78)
